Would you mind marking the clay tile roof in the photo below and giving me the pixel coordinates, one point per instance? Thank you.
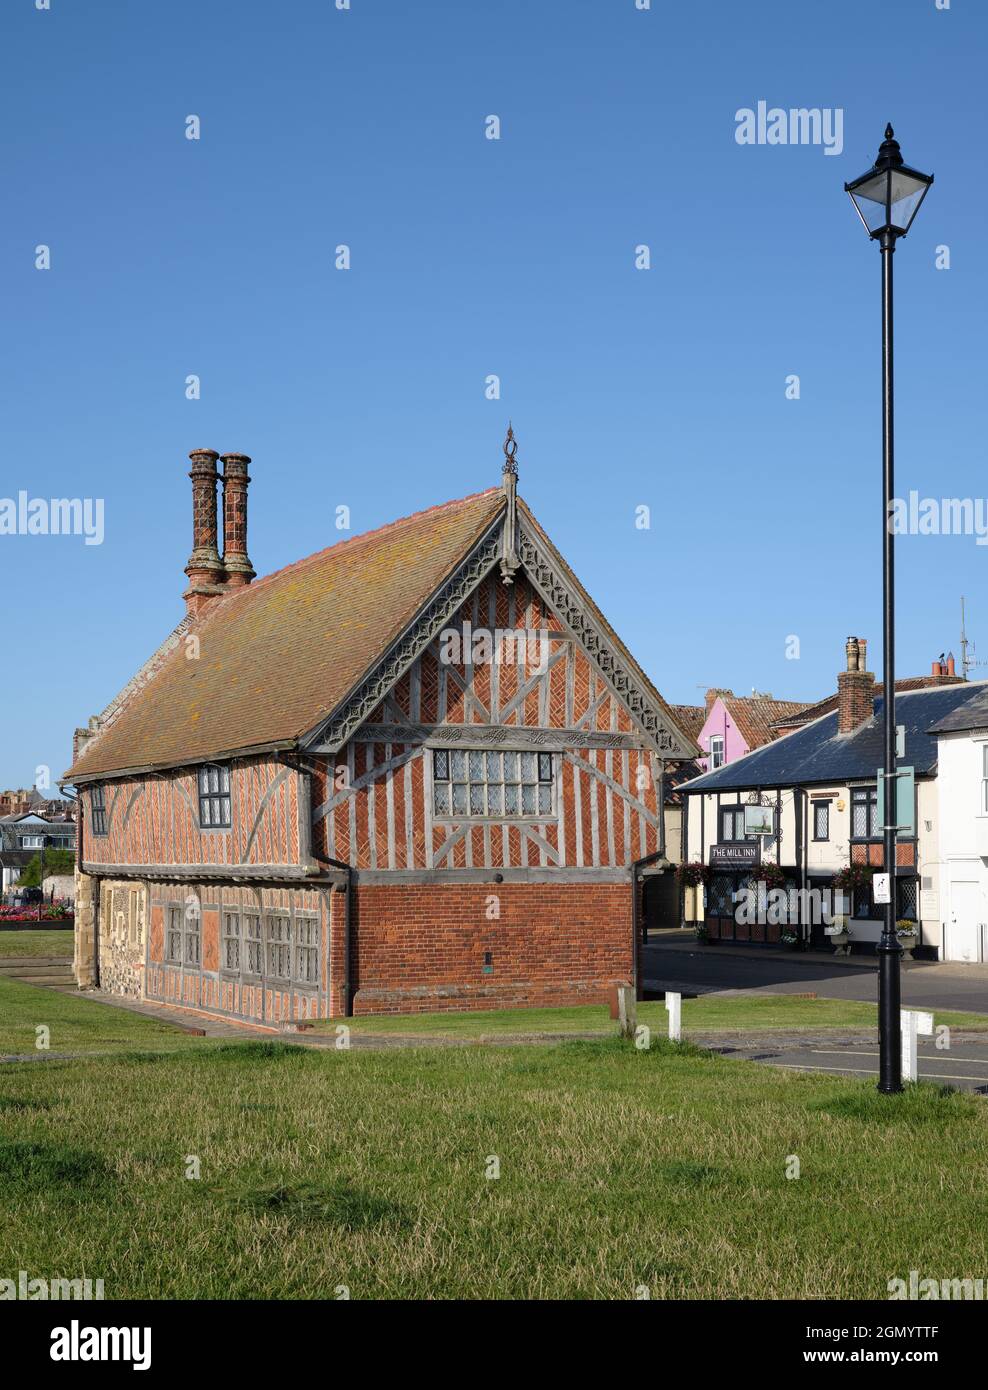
(278, 656)
(754, 716)
(690, 718)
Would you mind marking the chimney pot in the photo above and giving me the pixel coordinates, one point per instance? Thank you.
(855, 688)
(236, 563)
(204, 568)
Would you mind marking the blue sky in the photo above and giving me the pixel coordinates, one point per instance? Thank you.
(470, 257)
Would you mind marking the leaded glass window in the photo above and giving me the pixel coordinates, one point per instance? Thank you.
(173, 945)
(98, 808)
(231, 941)
(214, 796)
(471, 783)
(307, 950)
(279, 943)
(253, 946)
(864, 813)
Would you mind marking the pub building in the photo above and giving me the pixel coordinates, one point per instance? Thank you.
(817, 790)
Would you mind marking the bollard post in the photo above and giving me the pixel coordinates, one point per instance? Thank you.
(627, 1011)
(674, 1008)
(913, 1022)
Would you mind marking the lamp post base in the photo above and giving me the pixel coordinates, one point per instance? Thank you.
(889, 1018)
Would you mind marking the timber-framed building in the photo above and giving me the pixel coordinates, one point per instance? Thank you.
(417, 770)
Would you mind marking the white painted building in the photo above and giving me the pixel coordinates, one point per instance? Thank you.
(962, 782)
(818, 786)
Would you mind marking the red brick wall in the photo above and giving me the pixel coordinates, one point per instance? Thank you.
(420, 947)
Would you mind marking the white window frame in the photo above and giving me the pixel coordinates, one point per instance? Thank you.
(716, 753)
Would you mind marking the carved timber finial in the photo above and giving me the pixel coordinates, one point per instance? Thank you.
(509, 535)
(510, 447)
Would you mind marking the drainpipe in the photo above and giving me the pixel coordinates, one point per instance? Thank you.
(659, 857)
(313, 862)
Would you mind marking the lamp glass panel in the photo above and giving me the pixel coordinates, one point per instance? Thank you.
(906, 195)
(870, 201)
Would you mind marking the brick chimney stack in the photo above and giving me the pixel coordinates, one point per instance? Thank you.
(713, 694)
(204, 569)
(855, 688)
(236, 564)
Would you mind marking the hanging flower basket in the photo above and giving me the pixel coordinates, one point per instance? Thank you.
(854, 878)
(771, 875)
(693, 874)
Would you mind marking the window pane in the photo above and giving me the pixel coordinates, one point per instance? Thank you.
(859, 822)
(459, 799)
(528, 799)
(459, 766)
(511, 799)
(494, 800)
(440, 764)
(493, 767)
(225, 805)
(442, 798)
(545, 799)
(476, 798)
(476, 767)
(224, 779)
(545, 767)
(528, 767)
(511, 767)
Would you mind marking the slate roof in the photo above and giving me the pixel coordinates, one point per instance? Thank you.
(817, 753)
(278, 656)
(972, 714)
(810, 712)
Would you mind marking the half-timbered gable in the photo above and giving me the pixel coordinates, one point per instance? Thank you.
(417, 770)
(483, 723)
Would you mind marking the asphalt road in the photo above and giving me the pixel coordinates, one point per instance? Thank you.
(964, 1064)
(675, 964)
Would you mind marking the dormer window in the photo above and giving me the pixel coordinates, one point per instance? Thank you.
(214, 796)
(716, 751)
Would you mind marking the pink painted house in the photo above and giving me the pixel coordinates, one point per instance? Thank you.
(727, 726)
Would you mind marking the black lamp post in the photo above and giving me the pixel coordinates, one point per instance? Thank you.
(887, 199)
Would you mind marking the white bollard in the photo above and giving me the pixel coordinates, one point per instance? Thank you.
(912, 1023)
(673, 1007)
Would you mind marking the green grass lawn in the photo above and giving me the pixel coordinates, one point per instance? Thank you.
(41, 941)
(619, 1169)
(76, 1025)
(709, 1013)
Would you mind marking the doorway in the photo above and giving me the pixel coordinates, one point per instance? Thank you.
(965, 922)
